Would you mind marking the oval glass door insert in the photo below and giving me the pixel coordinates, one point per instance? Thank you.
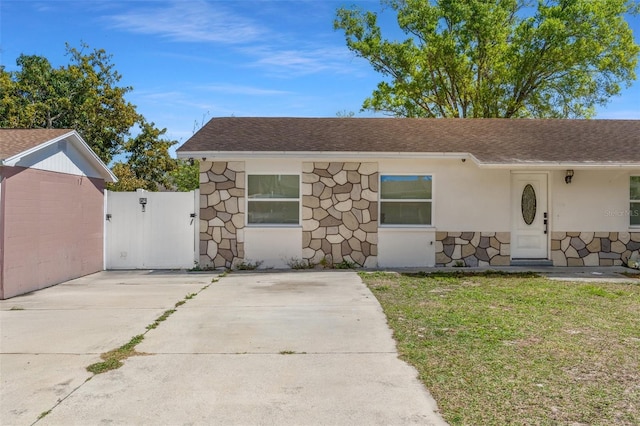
(529, 204)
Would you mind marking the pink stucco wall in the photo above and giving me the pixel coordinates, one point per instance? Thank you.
(51, 229)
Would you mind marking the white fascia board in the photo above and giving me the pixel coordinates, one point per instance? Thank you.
(320, 155)
(105, 172)
(77, 140)
(559, 165)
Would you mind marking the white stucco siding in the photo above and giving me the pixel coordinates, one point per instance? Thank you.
(274, 247)
(465, 197)
(472, 210)
(274, 166)
(406, 247)
(594, 201)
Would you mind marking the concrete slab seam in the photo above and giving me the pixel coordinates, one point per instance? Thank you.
(150, 327)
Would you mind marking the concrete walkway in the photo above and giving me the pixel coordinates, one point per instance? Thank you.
(254, 348)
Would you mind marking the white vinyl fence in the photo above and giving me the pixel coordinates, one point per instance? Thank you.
(151, 230)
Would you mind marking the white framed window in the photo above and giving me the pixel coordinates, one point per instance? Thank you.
(406, 200)
(273, 199)
(634, 201)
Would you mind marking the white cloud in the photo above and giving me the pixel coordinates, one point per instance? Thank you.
(307, 60)
(235, 89)
(278, 53)
(192, 21)
(175, 98)
(43, 7)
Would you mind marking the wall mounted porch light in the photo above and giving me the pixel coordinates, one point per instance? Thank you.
(568, 177)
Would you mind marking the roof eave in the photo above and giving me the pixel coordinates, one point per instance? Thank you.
(14, 159)
(560, 165)
(93, 158)
(224, 155)
(322, 155)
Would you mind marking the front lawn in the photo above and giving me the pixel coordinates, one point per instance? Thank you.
(499, 349)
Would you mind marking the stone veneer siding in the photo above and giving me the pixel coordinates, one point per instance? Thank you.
(222, 188)
(340, 212)
(593, 248)
(473, 248)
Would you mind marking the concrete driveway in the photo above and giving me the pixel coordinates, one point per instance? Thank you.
(300, 348)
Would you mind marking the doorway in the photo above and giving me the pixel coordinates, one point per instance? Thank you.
(529, 216)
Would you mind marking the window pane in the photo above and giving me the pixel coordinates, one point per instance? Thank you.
(405, 187)
(274, 186)
(635, 214)
(635, 188)
(273, 212)
(405, 213)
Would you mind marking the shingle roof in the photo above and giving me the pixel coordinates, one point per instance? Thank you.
(490, 141)
(15, 141)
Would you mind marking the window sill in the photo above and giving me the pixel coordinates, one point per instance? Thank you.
(408, 228)
(272, 226)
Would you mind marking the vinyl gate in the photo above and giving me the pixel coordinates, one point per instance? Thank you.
(150, 230)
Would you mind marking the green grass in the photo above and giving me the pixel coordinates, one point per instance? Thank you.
(495, 349)
(162, 317)
(44, 414)
(113, 359)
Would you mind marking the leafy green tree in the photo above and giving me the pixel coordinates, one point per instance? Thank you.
(496, 58)
(127, 180)
(83, 95)
(149, 164)
(186, 176)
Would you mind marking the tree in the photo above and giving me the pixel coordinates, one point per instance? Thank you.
(149, 164)
(496, 58)
(127, 180)
(84, 96)
(186, 176)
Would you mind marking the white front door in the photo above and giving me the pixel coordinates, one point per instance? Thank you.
(529, 216)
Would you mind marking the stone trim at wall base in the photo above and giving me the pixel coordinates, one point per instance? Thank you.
(473, 248)
(593, 248)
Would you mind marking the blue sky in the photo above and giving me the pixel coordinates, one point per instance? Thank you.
(192, 60)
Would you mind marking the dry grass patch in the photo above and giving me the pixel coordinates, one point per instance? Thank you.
(496, 349)
(113, 359)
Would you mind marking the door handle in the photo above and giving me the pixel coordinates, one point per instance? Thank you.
(546, 223)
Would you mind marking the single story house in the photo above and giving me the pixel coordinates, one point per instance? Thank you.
(394, 192)
(51, 209)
